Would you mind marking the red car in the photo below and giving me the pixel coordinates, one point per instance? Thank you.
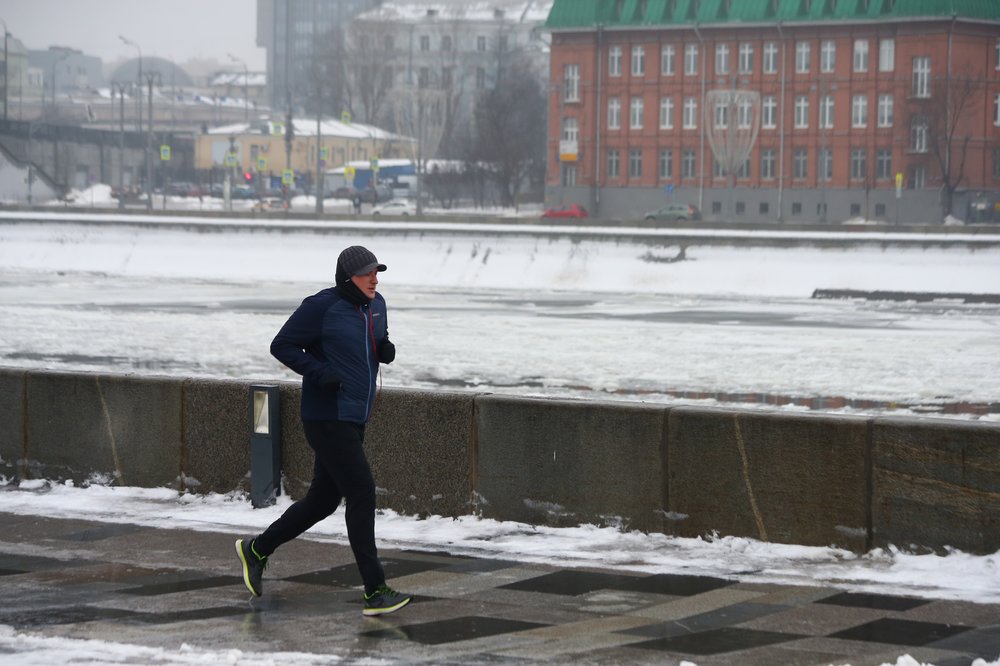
(572, 210)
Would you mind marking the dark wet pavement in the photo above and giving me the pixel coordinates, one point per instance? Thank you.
(168, 587)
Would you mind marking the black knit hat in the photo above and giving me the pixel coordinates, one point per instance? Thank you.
(356, 260)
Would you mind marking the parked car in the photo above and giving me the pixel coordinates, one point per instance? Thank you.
(395, 207)
(182, 189)
(572, 210)
(369, 195)
(675, 212)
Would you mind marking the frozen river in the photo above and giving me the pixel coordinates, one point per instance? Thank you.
(526, 313)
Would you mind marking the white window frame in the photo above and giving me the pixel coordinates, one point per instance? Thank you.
(824, 165)
(885, 110)
(826, 110)
(614, 61)
(690, 119)
(635, 163)
(571, 83)
(689, 164)
(746, 58)
(859, 111)
(769, 112)
(691, 60)
(721, 59)
(827, 56)
(883, 166)
(636, 109)
(668, 57)
(769, 64)
(666, 113)
(887, 54)
(996, 110)
(918, 134)
(859, 164)
(768, 160)
(922, 77)
(614, 113)
(666, 164)
(801, 112)
(638, 60)
(720, 115)
(800, 163)
(744, 114)
(570, 129)
(860, 61)
(803, 54)
(613, 163)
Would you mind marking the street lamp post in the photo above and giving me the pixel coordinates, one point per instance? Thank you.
(6, 70)
(151, 78)
(246, 87)
(129, 42)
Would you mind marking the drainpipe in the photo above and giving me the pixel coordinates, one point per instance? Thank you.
(701, 157)
(597, 123)
(781, 132)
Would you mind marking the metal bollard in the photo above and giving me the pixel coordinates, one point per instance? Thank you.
(265, 444)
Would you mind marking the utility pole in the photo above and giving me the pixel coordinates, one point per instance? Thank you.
(151, 78)
(121, 87)
(6, 70)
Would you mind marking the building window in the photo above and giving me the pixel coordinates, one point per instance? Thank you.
(446, 77)
(826, 112)
(741, 207)
(860, 55)
(796, 208)
(859, 111)
(568, 175)
(614, 164)
(996, 57)
(996, 110)
(859, 164)
(446, 43)
(746, 58)
(885, 110)
(614, 113)
(887, 55)
(423, 77)
(827, 56)
(666, 164)
(716, 207)
(502, 43)
(480, 78)
(425, 42)
(667, 60)
(690, 113)
(638, 61)
(480, 43)
(800, 164)
(922, 76)
(918, 178)
(855, 210)
(883, 164)
(996, 162)
(666, 113)
(767, 162)
(691, 60)
(571, 83)
(635, 163)
(918, 134)
(824, 164)
(880, 210)
(615, 61)
(636, 109)
(717, 169)
(769, 112)
(689, 164)
(570, 129)
(721, 114)
(721, 59)
(765, 208)
(744, 114)
(802, 54)
(770, 64)
(801, 112)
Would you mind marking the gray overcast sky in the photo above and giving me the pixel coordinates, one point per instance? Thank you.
(175, 29)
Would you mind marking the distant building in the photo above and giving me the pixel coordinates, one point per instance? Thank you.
(66, 70)
(855, 98)
(458, 47)
(301, 38)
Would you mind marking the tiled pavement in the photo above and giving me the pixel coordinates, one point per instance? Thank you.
(165, 587)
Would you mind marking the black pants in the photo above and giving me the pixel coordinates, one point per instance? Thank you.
(340, 471)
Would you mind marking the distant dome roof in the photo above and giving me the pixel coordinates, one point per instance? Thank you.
(169, 72)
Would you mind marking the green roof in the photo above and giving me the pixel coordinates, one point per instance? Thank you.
(568, 14)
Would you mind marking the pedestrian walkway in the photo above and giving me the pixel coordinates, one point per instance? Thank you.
(169, 587)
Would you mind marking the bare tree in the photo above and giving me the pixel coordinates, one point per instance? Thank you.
(950, 129)
(510, 131)
(369, 65)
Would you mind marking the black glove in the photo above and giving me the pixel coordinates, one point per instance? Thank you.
(386, 351)
(329, 381)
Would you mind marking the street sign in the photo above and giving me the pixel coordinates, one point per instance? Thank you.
(277, 128)
(261, 164)
(230, 159)
(899, 184)
(375, 164)
(345, 117)
(164, 153)
(324, 153)
(287, 177)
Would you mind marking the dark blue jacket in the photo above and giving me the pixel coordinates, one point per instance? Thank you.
(333, 344)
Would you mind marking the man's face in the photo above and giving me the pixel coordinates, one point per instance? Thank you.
(366, 283)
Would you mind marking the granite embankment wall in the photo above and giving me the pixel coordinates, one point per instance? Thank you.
(850, 481)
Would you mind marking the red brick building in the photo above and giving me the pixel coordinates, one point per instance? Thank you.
(856, 99)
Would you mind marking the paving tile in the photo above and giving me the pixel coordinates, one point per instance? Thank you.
(878, 601)
(900, 632)
(455, 629)
(716, 641)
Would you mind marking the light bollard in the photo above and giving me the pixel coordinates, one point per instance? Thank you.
(265, 444)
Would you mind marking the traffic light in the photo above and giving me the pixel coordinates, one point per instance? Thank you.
(248, 177)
